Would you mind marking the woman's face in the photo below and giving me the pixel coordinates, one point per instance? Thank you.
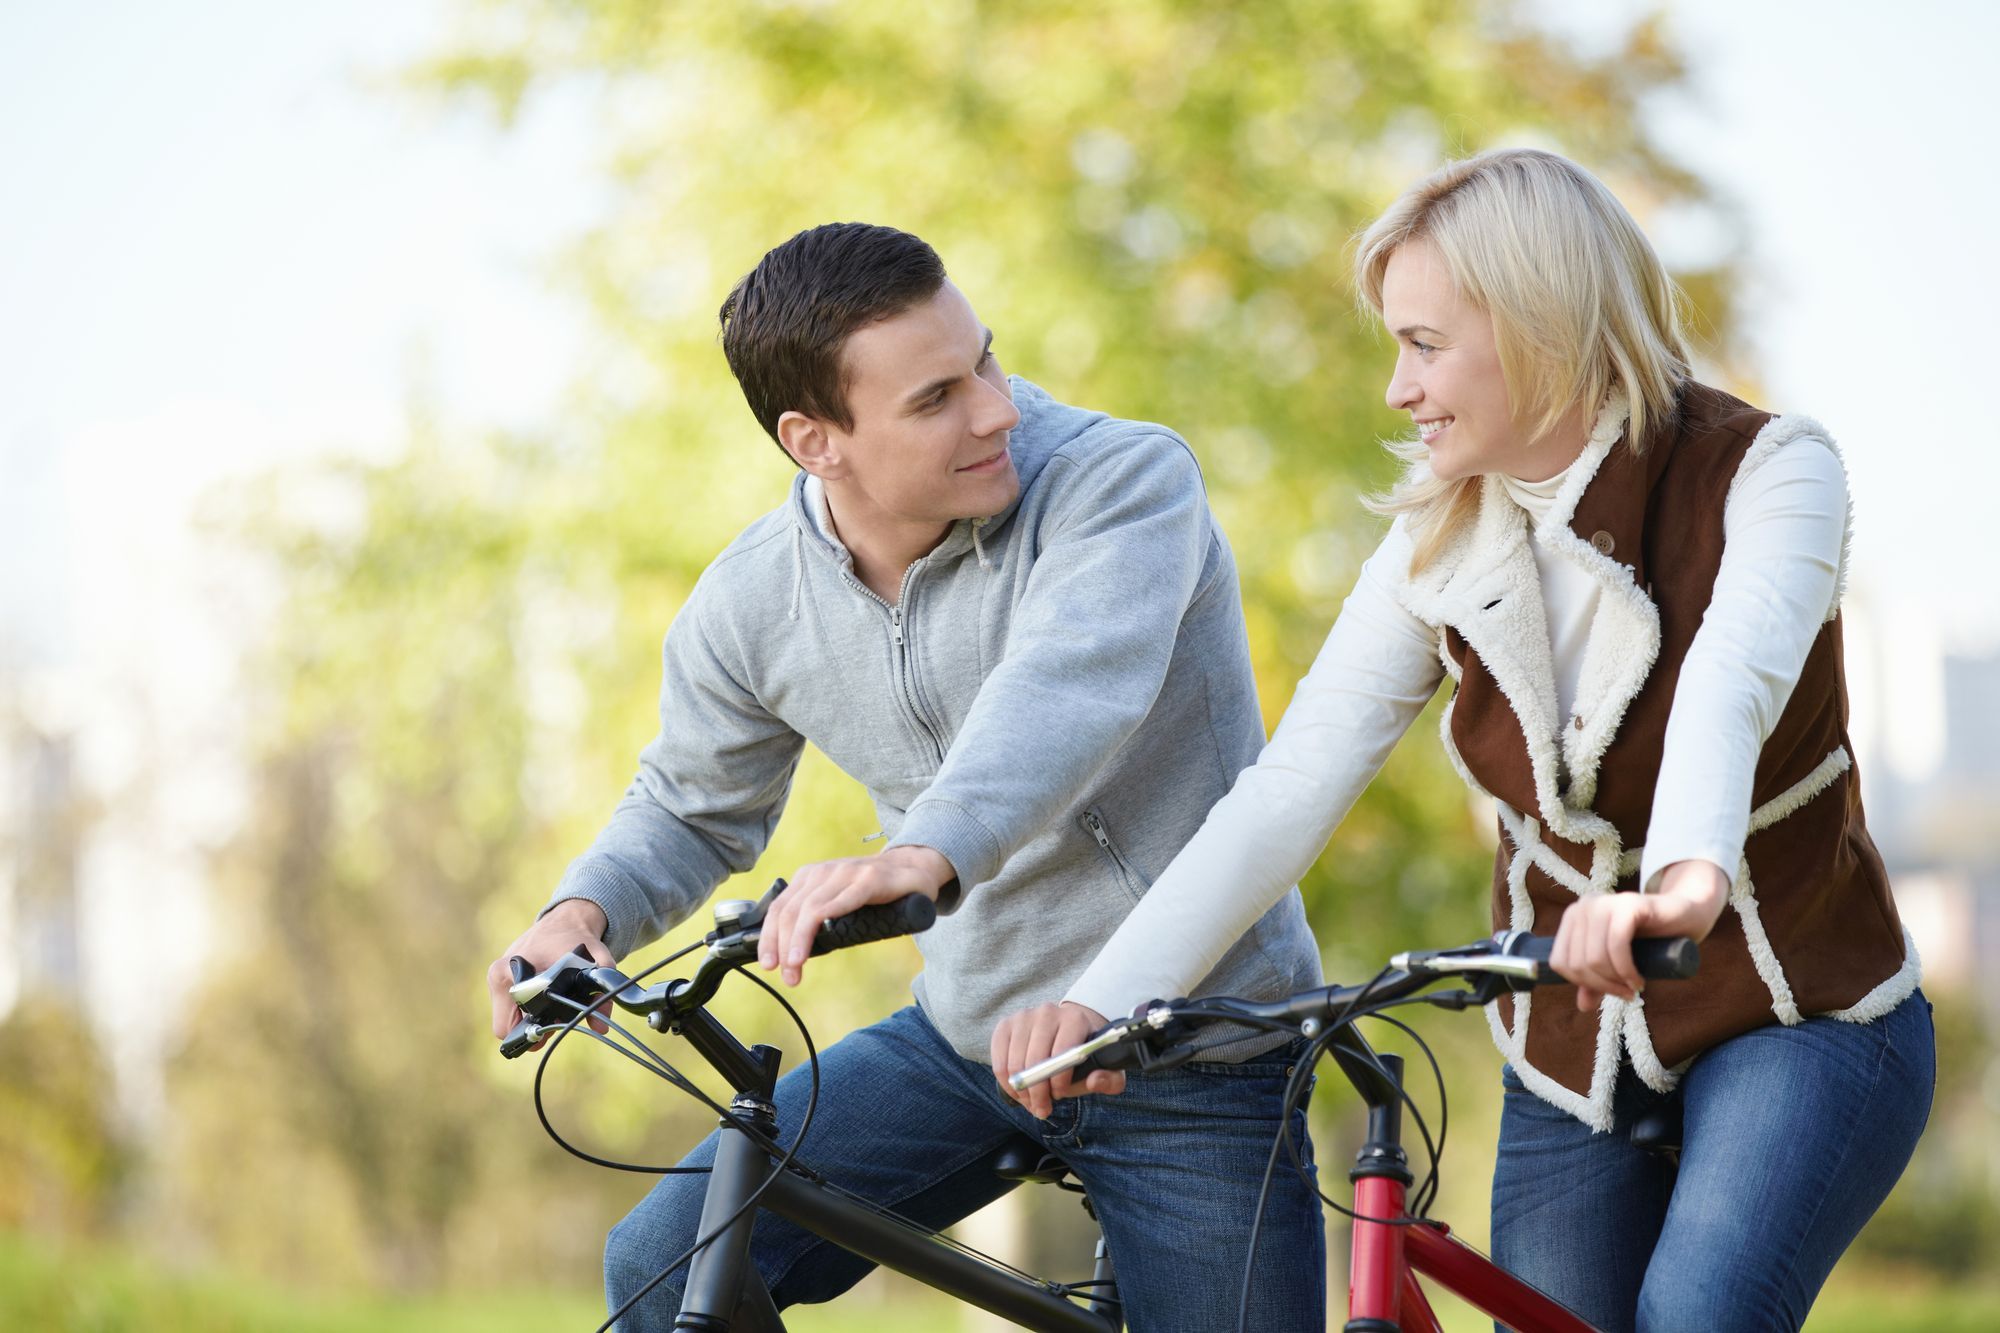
(1448, 376)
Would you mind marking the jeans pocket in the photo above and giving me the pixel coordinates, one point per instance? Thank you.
(1280, 1062)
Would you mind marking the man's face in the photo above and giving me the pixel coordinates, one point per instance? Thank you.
(931, 414)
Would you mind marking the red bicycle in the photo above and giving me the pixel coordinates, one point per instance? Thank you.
(1394, 1242)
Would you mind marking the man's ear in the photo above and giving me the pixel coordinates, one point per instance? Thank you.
(811, 445)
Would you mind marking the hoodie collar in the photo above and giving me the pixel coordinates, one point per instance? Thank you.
(812, 520)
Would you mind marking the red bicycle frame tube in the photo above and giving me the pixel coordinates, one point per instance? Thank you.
(1376, 1269)
(1382, 1285)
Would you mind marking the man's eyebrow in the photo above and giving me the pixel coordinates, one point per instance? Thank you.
(924, 392)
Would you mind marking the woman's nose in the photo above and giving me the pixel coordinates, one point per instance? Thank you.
(1404, 392)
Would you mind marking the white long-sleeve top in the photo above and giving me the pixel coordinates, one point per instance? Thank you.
(1783, 525)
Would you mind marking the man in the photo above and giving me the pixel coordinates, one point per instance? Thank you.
(1018, 625)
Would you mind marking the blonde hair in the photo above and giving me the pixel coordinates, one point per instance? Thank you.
(1581, 306)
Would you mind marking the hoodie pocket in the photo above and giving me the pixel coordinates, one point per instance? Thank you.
(1092, 823)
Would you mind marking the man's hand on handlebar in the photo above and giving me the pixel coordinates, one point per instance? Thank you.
(828, 889)
(1594, 943)
(574, 923)
(1029, 1037)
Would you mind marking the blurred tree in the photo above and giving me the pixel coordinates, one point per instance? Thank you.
(61, 1158)
(1148, 202)
(1944, 1214)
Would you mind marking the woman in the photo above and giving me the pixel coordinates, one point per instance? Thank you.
(1633, 582)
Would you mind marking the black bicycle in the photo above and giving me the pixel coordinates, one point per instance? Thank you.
(752, 1170)
(1392, 1237)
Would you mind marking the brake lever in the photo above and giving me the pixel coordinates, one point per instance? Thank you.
(1125, 1043)
(1109, 1035)
(1476, 993)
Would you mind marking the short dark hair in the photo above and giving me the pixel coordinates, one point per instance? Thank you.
(785, 323)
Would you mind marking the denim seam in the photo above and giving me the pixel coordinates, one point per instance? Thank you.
(1073, 1139)
(1840, 1167)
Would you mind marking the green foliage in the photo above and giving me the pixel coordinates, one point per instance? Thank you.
(1942, 1215)
(61, 1160)
(1148, 202)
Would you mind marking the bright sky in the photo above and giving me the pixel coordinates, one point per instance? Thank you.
(225, 249)
(222, 250)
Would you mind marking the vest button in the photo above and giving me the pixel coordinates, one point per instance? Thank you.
(1579, 721)
(1602, 541)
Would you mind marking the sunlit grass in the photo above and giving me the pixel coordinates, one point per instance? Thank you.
(71, 1290)
(56, 1289)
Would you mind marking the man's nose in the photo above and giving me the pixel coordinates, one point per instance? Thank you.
(996, 411)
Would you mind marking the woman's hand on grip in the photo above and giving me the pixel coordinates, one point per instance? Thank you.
(1594, 943)
(1031, 1036)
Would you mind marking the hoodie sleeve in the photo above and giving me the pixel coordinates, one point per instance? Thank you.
(709, 791)
(1122, 553)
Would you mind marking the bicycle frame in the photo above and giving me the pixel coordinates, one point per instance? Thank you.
(1391, 1248)
(1383, 1295)
(726, 1294)
(724, 1291)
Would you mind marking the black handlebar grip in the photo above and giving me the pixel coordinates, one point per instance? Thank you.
(1666, 958)
(1124, 1056)
(1671, 959)
(883, 921)
(520, 969)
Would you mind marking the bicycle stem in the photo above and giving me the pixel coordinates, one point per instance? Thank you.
(749, 1070)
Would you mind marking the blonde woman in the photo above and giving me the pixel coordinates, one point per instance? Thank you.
(1633, 583)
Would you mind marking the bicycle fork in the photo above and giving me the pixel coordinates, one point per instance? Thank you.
(717, 1298)
(1377, 1272)
(1382, 1294)
(724, 1293)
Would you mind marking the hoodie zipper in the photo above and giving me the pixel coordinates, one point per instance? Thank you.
(906, 681)
(1094, 823)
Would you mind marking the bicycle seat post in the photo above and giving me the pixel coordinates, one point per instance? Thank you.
(1103, 1299)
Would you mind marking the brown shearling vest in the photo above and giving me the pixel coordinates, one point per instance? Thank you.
(1811, 928)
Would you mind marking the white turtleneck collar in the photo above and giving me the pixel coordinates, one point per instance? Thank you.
(1535, 496)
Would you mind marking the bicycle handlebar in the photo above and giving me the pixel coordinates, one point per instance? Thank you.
(1155, 1037)
(550, 999)
(883, 921)
(1670, 958)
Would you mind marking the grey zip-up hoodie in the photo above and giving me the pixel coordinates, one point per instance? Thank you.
(1060, 695)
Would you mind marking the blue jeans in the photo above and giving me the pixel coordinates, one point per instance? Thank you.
(1791, 1139)
(1172, 1165)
